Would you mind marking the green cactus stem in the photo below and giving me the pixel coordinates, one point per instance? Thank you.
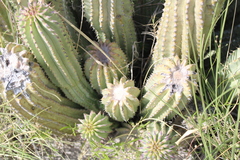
(230, 73)
(169, 88)
(25, 87)
(63, 7)
(6, 32)
(94, 127)
(158, 142)
(112, 20)
(120, 99)
(185, 27)
(44, 32)
(101, 69)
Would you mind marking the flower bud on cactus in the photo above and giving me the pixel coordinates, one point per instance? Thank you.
(120, 99)
(158, 142)
(94, 127)
(43, 30)
(25, 87)
(169, 88)
(102, 68)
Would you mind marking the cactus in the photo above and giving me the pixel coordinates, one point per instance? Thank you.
(120, 99)
(44, 32)
(6, 32)
(230, 74)
(63, 7)
(101, 69)
(112, 20)
(184, 28)
(94, 127)
(169, 88)
(25, 87)
(158, 142)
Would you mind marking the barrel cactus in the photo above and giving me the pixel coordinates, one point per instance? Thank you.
(102, 68)
(168, 89)
(120, 99)
(26, 88)
(158, 142)
(94, 127)
(43, 30)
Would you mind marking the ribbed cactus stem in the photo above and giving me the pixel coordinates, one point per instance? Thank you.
(102, 68)
(112, 20)
(44, 32)
(25, 87)
(185, 27)
(168, 89)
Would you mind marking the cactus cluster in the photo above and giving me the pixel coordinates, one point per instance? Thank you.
(47, 79)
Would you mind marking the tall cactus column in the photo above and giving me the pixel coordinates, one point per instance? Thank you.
(181, 34)
(112, 20)
(184, 27)
(44, 32)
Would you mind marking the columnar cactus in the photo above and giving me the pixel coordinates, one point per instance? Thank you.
(158, 142)
(112, 20)
(185, 27)
(102, 68)
(168, 89)
(120, 99)
(94, 127)
(44, 32)
(26, 88)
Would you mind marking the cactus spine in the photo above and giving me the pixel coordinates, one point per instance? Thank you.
(44, 32)
(100, 68)
(112, 20)
(184, 27)
(26, 88)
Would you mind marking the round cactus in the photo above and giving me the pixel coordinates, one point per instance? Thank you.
(168, 89)
(102, 68)
(158, 142)
(120, 99)
(94, 127)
